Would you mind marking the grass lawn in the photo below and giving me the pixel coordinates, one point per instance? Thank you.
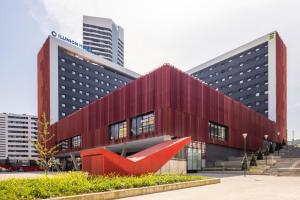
(73, 183)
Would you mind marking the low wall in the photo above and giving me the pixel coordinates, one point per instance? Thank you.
(173, 166)
(218, 152)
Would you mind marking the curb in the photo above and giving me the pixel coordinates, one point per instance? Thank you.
(139, 191)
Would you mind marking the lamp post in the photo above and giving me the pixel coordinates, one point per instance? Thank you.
(266, 137)
(278, 145)
(245, 154)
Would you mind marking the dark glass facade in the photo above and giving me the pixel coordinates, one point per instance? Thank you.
(243, 77)
(81, 82)
(142, 124)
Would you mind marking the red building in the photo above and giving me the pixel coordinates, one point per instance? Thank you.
(162, 105)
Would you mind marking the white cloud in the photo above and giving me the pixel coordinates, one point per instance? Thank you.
(183, 33)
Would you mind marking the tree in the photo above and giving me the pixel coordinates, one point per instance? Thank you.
(46, 158)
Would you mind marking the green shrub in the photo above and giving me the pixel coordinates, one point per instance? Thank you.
(260, 155)
(253, 160)
(72, 183)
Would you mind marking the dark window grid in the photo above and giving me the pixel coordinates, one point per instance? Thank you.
(96, 36)
(236, 80)
(101, 69)
(142, 124)
(105, 52)
(253, 53)
(96, 31)
(236, 60)
(86, 43)
(120, 41)
(236, 86)
(91, 82)
(90, 73)
(217, 131)
(88, 39)
(118, 130)
(234, 73)
(76, 142)
(98, 27)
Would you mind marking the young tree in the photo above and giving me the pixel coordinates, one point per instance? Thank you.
(46, 158)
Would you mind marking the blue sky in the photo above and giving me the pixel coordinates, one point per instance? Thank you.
(183, 33)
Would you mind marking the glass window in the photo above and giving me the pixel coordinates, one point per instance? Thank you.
(142, 124)
(217, 131)
(118, 130)
(63, 145)
(76, 142)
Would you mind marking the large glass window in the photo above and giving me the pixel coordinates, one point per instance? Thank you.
(118, 130)
(70, 143)
(63, 145)
(217, 131)
(76, 142)
(142, 124)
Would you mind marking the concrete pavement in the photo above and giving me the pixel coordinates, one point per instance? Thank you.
(236, 187)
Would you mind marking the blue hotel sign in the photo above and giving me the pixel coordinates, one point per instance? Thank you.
(73, 42)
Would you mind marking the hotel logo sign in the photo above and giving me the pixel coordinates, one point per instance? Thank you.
(69, 40)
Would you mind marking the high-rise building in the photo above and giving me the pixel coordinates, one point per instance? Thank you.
(17, 134)
(254, 74)
(103, 37)
(70, 77)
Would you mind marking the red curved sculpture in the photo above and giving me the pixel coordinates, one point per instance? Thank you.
(99, 161)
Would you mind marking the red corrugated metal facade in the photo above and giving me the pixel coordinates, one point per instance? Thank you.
(183, 106)
(43, 73)
(281, 85)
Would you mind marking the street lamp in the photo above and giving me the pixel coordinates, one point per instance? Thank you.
(278, 145)
(245, 154)
(266, 137)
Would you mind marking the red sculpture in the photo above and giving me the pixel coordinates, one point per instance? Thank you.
(99, 161)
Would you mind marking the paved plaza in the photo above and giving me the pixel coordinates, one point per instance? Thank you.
(236, 187)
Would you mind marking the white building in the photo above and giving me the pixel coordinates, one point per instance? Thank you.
(17, 133)
(103, 37)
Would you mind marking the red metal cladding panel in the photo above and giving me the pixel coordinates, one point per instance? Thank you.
(43, 73)
(183, 106)
(281, 88)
